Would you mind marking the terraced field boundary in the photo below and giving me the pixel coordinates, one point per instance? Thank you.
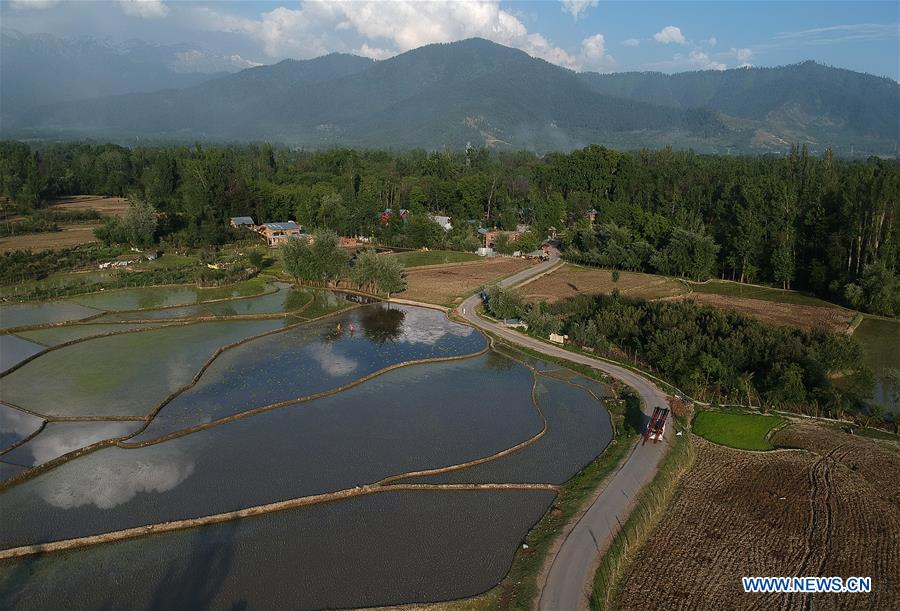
(19, 477)
(256, 510)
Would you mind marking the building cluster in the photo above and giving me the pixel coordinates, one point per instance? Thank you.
(275, 234)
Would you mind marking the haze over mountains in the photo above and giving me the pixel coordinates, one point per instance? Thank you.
(472, 91)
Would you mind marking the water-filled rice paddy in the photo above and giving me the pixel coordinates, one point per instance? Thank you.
(25, 314)
(16, 425)
(377, 550)
(204, 453)
(577, 432)
(313, 358)
(121, 375)
(58, 438)
(414, 418)
(53, 336)
(161, 296)
(281, 300)
(14, 350)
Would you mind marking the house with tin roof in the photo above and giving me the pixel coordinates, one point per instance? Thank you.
(277, 234)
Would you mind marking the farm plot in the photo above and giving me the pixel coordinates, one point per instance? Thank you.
(571, 280)
(737, 430)
(419, 258)
(449, 285)
(803, 316)
(113, 206)
(777, 513)
(71, 234)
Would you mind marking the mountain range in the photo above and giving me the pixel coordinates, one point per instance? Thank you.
(479, 92)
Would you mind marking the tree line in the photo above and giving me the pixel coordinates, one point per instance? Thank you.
(821, 224)
(321, 261)
(714, 355)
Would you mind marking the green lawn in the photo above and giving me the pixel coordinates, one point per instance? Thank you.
(416, 258)
(736, 430)
(736, 289)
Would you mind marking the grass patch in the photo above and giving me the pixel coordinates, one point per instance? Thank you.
(737, 430)
(417, 258)
(648, 509)
(736, 289)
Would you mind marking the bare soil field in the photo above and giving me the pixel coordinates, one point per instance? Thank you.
(112, 206)
(72, 234)
(448, 284)
(788, 512)
(803, 316)
(571, 280)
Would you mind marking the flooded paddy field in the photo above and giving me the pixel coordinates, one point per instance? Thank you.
(393, 442)
(121, 375)
(14, 350)
(313, 358)
(576, 433)
(54, 336)
(391, 548)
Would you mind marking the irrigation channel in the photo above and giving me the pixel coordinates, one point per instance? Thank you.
(291, 449)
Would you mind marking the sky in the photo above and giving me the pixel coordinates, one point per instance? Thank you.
(597, 35)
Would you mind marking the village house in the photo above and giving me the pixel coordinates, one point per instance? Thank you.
(277, 234)
(245, 222)
(491, 236)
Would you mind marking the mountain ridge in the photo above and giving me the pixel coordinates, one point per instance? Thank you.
(476, 91)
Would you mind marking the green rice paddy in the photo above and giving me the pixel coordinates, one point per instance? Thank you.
(737, 430)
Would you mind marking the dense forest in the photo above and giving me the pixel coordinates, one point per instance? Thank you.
(820, 224)
(713, 355)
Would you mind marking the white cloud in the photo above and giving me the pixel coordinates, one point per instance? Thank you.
(593, 53)
(670, 34)
(146, 9)
(742, 55)
(576, 7)
(118, 479)
(33, 4)
(841, 33)
(702, 60)
(374, 52)
(712, 41)
(387, 28)
(631, 42)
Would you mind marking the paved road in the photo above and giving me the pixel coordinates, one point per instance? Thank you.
(571, 574)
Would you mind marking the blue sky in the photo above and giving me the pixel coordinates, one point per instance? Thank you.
(579, 34)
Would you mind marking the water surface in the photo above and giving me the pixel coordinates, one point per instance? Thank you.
(413, 418)
(378, 550)
(16, 425)
(124, 375)
(313, 358)
(14, 350)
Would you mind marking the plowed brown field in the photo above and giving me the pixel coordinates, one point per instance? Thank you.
(803, 316)
(781, 513)
(571, 280)
(115, 206)
(448, 284)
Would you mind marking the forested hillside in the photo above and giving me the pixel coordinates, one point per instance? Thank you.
(816, 223)
(807, 96)
(475, 91)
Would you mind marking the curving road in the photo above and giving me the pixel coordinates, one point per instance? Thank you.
(568, 582)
